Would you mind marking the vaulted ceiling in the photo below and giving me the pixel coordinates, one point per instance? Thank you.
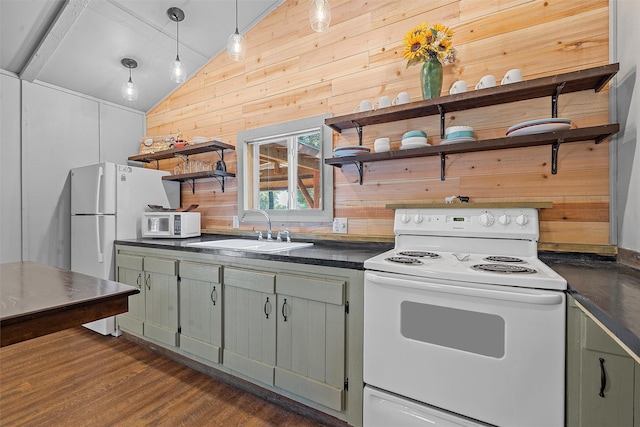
(79, 44)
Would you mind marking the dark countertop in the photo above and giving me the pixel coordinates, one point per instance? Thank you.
(607, 289)
(37, 299)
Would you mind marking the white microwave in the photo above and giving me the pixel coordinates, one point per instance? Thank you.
(172, 225)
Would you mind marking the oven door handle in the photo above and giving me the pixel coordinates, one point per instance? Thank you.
(539, 299)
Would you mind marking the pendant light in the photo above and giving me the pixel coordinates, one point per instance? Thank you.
(320, 15)
(129, 90)
(176, 68)
(235, 45)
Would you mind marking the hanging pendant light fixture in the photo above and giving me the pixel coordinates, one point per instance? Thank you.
(320, 15)
(235, 45)
(176, 68)
(129, 90)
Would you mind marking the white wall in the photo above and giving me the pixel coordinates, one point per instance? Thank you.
(628, 115)
(10, 221)
(56, 130)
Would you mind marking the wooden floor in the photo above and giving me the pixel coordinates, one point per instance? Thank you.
(80, 378)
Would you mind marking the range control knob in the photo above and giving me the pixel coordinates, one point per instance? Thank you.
(504, 219)
(522, 219)
(486, 219)
(404, 218)
(418, 219)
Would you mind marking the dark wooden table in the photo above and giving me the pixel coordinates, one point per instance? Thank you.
(37, 299)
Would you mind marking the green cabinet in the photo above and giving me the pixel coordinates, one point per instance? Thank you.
(601, 375)
(201, 310)
(153, 312)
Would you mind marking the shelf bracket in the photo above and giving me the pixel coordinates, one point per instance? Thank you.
(359, 130)
(442, 166)
(157, 163)
(360, 166)
(554, 100)
(441, 110)
(554, 156)
(192, 184)
(220, 179)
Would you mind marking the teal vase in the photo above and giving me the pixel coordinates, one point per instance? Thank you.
(431, 78)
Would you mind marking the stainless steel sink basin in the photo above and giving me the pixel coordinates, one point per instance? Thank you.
(251, 245)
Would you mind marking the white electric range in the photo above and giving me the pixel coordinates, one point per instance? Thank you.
(463, 323)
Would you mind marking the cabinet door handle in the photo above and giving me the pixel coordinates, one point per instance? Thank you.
(603, 378)
(267, 308)
(139, 281)
(147, 281)
(284, 314)
(214, 295)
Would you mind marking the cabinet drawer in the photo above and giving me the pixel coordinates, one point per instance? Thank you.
(324, 290)
(595, 338)
(249, 279)
(198, 271)
(132, 262)
(160, 265)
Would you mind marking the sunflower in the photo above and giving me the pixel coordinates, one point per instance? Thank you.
(423, 42)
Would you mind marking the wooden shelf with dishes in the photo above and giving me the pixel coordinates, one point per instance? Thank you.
(588, 79)
(190, 178)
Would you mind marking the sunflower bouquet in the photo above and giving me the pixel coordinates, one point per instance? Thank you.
(424, 42)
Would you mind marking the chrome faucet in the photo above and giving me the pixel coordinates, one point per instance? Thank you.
(286, 232)
(266, 215)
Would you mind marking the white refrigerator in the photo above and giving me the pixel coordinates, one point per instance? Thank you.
(107, 202)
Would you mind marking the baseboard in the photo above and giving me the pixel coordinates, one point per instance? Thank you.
(629, 257)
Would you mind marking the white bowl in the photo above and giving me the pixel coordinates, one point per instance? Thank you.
(382, 140)
(414, 140)
(452, 129)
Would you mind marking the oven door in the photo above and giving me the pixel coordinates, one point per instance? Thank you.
(491, 353)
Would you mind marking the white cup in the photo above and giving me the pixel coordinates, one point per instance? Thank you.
(365, 105)
(381, 145)
(383, 102)
(401, 98)
(458, 87)
(512, 76)
(486, 81)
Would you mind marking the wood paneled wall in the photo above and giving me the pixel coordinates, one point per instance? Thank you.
(290, 72)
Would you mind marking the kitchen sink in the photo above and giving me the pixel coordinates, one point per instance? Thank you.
(251, 245)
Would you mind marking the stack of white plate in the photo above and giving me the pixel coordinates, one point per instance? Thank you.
(455, 134)
(350, 150)
(539, 126)
(414, 139)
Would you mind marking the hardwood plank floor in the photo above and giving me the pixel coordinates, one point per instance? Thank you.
(80, 378)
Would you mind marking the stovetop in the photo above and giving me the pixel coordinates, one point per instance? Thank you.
(496, 247)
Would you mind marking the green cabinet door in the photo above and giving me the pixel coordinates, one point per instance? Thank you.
(201, 310)
(129, 271)
(311, 338)
(250, 323)
(161, 300)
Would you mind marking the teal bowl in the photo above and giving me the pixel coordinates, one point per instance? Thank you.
(414, 133)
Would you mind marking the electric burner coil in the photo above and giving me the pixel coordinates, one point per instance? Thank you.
(503, 268)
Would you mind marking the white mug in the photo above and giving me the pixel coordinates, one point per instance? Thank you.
(401, 98)
(365, 105)
(486, 81)
(512, 76)
(458, 87)
(383, 102)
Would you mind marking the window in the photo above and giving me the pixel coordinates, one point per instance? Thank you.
(281, 170)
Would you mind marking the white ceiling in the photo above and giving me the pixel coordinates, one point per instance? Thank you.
(78, 44)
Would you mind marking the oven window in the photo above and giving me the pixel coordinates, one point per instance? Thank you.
(470, 331)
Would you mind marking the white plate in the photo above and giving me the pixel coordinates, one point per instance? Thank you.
(345, 153)
(351, 147)
(538, 122)
(414, 140)
(457, 140)
(540, 128)
(410, 146)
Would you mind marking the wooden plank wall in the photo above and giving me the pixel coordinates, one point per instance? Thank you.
(290, 72)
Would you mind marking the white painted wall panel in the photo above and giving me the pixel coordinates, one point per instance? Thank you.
(121, 131)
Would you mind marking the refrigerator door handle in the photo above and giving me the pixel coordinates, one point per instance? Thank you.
(99, 239)
(99, 182)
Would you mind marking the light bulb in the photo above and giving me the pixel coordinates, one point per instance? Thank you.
(129, 90)
(177, 72)
(320, 15)
(236, 47)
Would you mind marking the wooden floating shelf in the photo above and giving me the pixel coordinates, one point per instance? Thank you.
(203, 147)
(592, 78)
(190, 178)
